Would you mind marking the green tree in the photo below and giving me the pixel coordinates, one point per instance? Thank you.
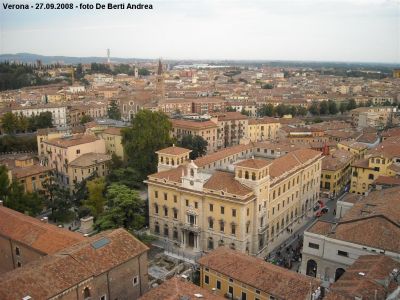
(351, 104)
(149, 132)
(245, 112)
(196, 143)
(4, 182)
(44, 120)
(9, 123)
(343, 107)
(282, 110)
(113, 111)
(18, 200)
(266, 110)
(85, 119)
(324, 108)
(125, 209)
(23, 123)
(59, 200)
(314, 108)
(96, 199)
(230, 109)
(332, 107)
(127, 176)
(144, 72)
(301, 111)
(267, 86)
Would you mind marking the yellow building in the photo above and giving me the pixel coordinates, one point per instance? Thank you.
(207, 129)
(231, 198)
(30, 174)
(113, 139)
(88, 165)
(262, 129)
(356, 148)
(384, 160)
(61, 151)
(236, 275)
(45, 135)
(336, 172)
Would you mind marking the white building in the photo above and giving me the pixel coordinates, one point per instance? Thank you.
(58, 112)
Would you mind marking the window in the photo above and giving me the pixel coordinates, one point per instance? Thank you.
(175, 198)
(313, 245)
(196, 204)
(211, 207)
(135, 280)
(218, 284)
(166, 211)
(206, 279)
(104, 297)
(233, 229)
(210, 223)
(165, 196)
(222, 210)
(233, 212)
(156, 208)
(17, 251)
(371, 176)
(222, 226)
(78, 151)
(19, 265)
(155, 194)
(248, 212)
(244, 296)
(343, 253)
(187, 202)
(86, 293)
(175, 213)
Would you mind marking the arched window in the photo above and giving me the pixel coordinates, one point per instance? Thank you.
(166, 231)
(173, 162)
(86, 293)
(240, 174)
(162, 159)
(167, 160)
(156, 228)
(246, 175)
(253, 176)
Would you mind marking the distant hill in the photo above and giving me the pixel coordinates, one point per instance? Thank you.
(32, 58)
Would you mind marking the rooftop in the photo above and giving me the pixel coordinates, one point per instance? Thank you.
(255, 272)
(43, 237)
(71, 141)
(177, 289)
(174, 150)
(52, 275)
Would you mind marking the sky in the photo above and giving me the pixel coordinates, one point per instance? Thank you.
(308, 30)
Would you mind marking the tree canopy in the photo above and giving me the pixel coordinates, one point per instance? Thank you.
(196, 143)
(113, 111)
(125, 209)
(96, 199)
(149, 132)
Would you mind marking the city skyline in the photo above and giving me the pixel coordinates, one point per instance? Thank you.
(302, 30)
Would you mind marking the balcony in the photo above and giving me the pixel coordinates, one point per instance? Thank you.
(191, 227)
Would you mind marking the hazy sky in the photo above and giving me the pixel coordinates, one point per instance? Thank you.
(333, 30)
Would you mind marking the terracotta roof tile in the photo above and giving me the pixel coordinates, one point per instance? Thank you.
(175, 288)
(276, 281)
(90, 159)
(72, 141)
(254, 163)
(174, 150)
(225, 181)
(29, 231)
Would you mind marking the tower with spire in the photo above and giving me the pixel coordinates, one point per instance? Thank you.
(160, 81)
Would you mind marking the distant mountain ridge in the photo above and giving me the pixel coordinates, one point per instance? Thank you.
(32, 58)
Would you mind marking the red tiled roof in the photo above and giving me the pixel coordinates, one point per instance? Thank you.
(177, 288)
(225, 181)
(174, 150)
(29, 231)
(255, 272)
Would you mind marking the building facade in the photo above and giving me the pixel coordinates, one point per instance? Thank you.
(231, 198)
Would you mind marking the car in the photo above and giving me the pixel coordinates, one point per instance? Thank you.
(322, 212)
